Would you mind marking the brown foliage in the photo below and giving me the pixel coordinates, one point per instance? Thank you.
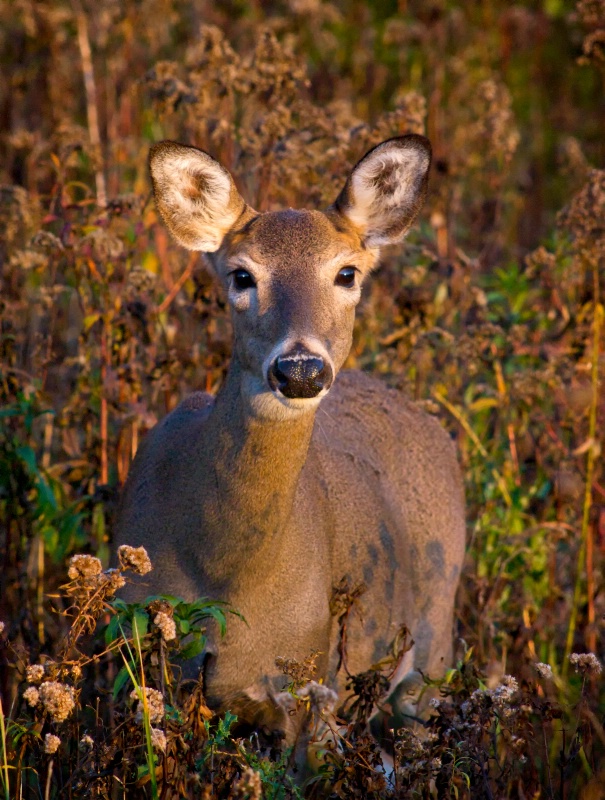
(492, 317)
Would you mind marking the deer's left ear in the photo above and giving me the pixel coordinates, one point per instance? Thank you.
(386, 190)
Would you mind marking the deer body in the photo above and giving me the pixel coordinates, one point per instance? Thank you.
(294, 477)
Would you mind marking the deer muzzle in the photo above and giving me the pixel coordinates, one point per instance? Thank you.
(299, 374)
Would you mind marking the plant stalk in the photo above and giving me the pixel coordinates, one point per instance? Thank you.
(585, 552)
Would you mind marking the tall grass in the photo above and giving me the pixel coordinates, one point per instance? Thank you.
(491, 317)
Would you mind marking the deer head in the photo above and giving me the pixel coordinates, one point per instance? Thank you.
(293, 278)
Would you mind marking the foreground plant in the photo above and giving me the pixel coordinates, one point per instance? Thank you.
(57, 734)
(150, 732)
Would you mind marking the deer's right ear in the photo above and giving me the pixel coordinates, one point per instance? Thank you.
(195, 195)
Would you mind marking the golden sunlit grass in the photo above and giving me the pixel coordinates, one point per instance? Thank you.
(491, 317)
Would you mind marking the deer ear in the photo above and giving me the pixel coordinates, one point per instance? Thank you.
(195, 195)
(386, 190)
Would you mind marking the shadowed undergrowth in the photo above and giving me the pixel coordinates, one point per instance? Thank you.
(491, 317)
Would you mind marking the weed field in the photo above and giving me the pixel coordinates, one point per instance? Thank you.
(491, 317)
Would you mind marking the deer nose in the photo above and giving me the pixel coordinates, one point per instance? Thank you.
(299, 374)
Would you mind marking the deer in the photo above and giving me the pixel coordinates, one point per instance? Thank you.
(298, 475)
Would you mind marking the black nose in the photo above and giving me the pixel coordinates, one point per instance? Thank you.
(299, 373)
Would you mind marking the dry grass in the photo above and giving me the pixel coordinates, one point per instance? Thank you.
(492, 317)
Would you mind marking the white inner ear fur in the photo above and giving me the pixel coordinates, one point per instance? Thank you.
(194, 195)
(374, 210)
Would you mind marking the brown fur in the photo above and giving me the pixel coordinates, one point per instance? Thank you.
(268, 504)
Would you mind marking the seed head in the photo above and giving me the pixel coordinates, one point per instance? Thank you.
(34, 673)
(58, 699)
(113, 580)
(586, 663)
(51, 743)
(166, 624)
(544, 671)
(86, 742)
(249, 785)
(158, 739)
(83, 567)
(155, 705)
(32, 696)
(321, 697)
(134, 558)
(502, 695)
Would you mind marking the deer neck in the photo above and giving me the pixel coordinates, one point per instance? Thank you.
(254, 469)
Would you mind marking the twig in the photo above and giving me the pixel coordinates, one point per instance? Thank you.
(4, 762)
(587, 712)
(91, 100)
(176, 287)
(547, 760)
(40, 586)
(503, 394)
(457, 414)
(48, 779)
(583, 557)
(105, 358)
(591, 634)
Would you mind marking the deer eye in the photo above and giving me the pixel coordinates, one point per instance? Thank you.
(346, 277)
(242, 279)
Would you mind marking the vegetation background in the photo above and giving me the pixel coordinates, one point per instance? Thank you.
(491, 316)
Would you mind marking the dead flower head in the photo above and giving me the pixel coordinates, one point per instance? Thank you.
(544, 671)
(320, 697)
(51, 743)
(84, 567)
(34, 673)
(585, 663)
(299, 672)
(58, 699)
(249, 785)
(158, 739)
(32, 696)
(134, 558)
(112, 580)
(155, 705)
(166, 625)
(502, 695)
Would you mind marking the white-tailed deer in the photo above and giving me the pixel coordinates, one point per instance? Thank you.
(294, 476)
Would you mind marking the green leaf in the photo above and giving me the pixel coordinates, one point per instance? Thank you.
(203, 604)
(11, 411)
(122, 679)
(90, 319)
(483, 403)
(194, 648)
(46, 497)
(51, 539)
(140, 624)
(219, 617)
(112, 629)
(170, 598)
(449, 675)
(27, 455)
(225, 724)
(142, 771)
